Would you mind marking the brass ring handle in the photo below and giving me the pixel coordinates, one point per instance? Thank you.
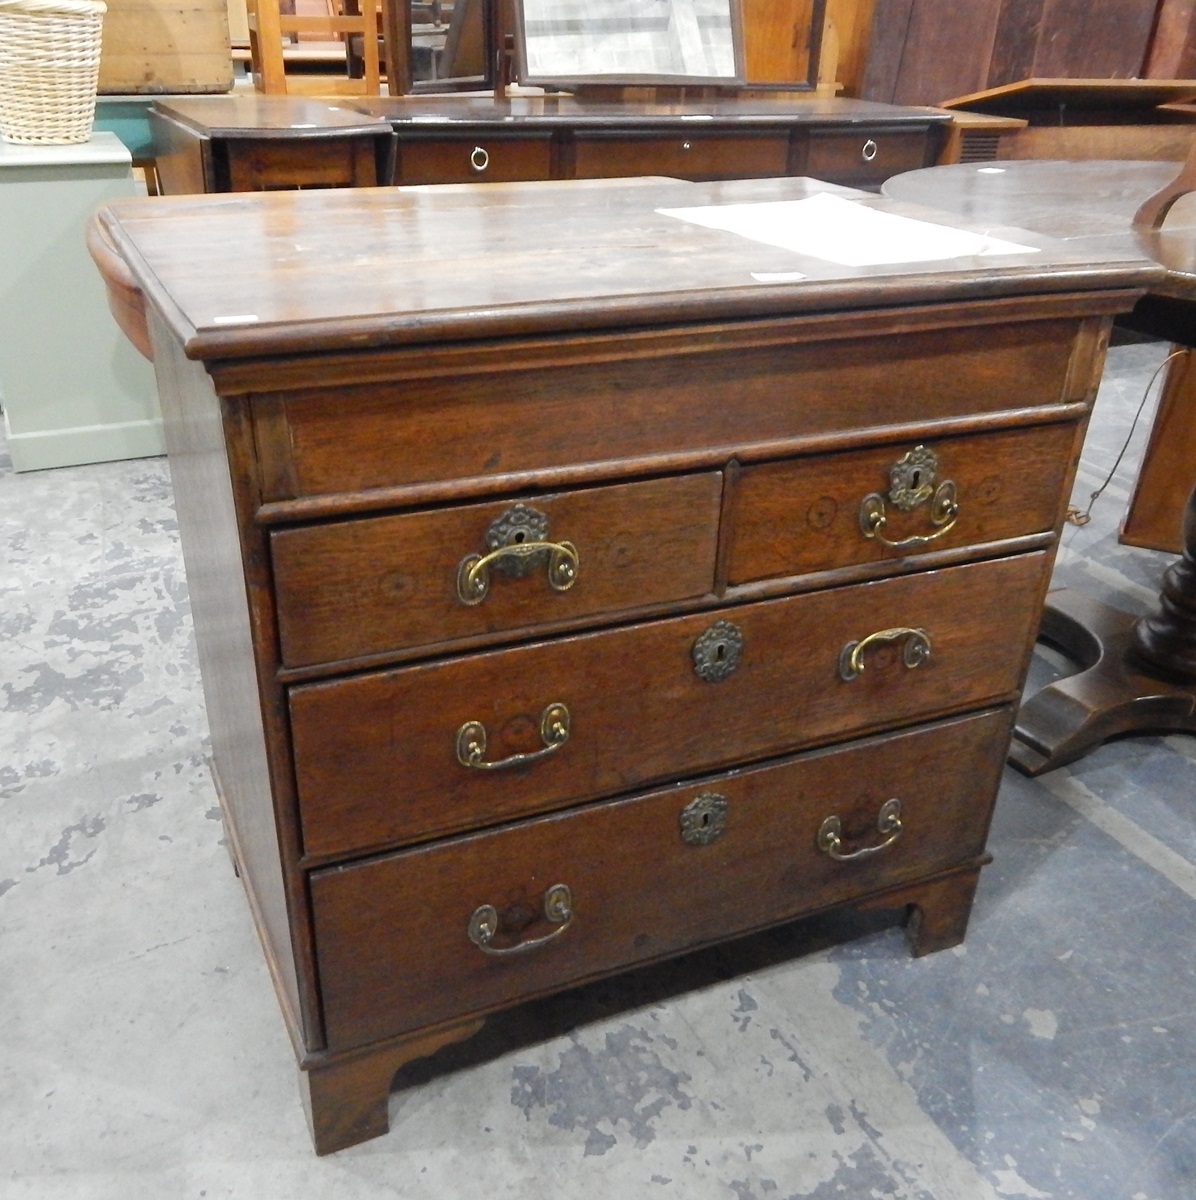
(913, 654)
(479, 159)
(869, 150)
(888, 821)
(944, 511)
(473, 575)
(554, 733)
(558, 908)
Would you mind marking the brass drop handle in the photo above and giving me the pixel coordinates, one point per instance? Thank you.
(473, 575)
(943, 513)
(913, 654)
(471, 741)
(558, 908)
(888, 821)
(913, 482)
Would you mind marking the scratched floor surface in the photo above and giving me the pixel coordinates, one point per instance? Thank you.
(1052, 1056)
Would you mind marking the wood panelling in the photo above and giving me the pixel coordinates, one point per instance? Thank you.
(1015, 42)
(927, 51)
(1173, 48)
(1080, 39)
(890, 29)
(948, 49)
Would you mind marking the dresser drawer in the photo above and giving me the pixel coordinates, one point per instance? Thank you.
(395, 756)
(393, 936)
(486, 159)
(265, 164)
(816, 514)
(367, 586)
(682, 156)
(584, 404)
(863, 157)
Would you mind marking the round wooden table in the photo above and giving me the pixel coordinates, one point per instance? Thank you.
(1137, 675)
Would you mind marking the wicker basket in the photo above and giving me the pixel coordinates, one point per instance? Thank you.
(49, 64)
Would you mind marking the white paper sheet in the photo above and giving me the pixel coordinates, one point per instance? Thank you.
(845, 232)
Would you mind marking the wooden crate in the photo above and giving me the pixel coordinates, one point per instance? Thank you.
(164, 46)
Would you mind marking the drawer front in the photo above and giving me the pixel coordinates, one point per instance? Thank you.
(393, 935)
(817, 514)
(440, 427)
(274, 164)
(390, 757)
(864, 158)
(473, 160)
(413, 579)
(700, 156)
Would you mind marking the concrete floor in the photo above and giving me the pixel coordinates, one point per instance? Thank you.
(1051, 1056)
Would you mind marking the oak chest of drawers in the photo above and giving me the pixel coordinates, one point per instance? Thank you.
(605, 599)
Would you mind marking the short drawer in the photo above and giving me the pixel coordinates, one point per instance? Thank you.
(610, 400)
(395, 756)
(830, 511)
(485, 159)
(265, 164)
(864, 158)
(683, 156)
(430, 934)
(367, 586)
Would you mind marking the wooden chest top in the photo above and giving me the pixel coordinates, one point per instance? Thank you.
(265, 274)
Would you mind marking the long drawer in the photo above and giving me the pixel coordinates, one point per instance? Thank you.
(352, 588)
(401, 755)
(484, 159)
(682, 156)
(430, 934)
(588, 405)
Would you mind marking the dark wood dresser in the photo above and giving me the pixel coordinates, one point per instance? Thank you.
(576, 586)
(258, 143)
(476, 138)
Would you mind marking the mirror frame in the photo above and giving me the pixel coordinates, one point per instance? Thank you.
(496, 25)
(567, 80)
(812, 81)
(398, 33)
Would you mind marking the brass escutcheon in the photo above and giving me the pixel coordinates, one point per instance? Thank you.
(518, 544)
(703, 819)
(913, 654)
(888, 822)
(911, 484)
(483, 923)
(716, 653)
(554, 733)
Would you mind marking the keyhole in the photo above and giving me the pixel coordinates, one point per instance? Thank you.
(705, 820)
(720, 652)
(916, 480)
(520, 536)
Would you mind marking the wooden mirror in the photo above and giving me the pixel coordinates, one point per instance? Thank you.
(628, 42)
(454, 45)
